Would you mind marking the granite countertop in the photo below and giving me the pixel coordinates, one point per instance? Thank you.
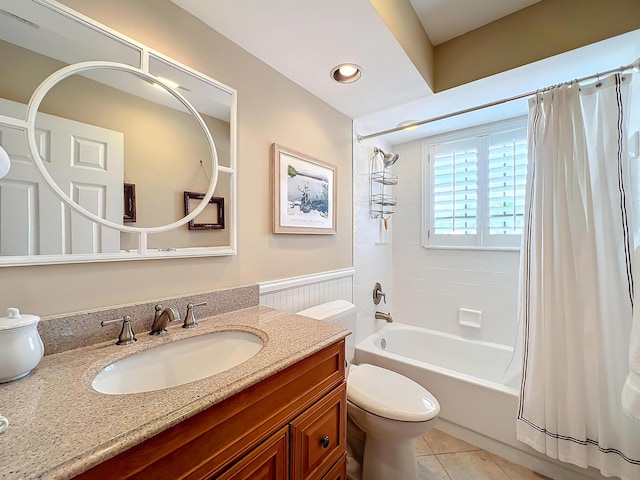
(60, 427)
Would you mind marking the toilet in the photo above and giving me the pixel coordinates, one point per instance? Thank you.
(385, 410)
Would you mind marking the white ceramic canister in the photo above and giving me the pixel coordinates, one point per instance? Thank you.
(21, 347)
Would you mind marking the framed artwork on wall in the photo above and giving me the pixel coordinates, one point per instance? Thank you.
(304, 193)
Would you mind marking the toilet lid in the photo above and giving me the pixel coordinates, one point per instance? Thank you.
(389, 394)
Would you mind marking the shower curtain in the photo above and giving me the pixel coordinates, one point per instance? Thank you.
(576, 284)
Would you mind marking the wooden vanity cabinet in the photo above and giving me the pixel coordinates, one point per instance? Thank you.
(316, 437)
(291, 425)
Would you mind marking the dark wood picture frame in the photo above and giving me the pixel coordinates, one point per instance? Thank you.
(219, 205)
(129, 213)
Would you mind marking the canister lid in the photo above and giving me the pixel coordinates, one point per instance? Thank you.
(15, 320)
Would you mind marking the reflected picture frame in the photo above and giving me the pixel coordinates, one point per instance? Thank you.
(129, 213)
(304, 193)
(216, 203)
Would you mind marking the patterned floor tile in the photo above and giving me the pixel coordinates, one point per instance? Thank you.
(515, 471)
(421, 447)
(476, 465)
(441, 442)
(429, 468)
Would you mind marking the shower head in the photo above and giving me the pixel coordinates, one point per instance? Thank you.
(387, 158)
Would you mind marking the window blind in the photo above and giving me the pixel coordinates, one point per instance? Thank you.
(474, 192)
(455, 186)
(507, 172)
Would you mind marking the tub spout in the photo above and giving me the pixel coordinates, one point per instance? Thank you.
(384, 316)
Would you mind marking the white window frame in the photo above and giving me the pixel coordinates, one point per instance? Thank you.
(481, 240)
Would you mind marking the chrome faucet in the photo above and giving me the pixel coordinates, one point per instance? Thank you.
(384, 316)
(126, 337)
(162, 318)
(190, 319)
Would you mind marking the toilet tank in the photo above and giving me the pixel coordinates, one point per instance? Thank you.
(340, 312)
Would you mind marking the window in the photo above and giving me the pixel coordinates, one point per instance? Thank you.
(475, 186)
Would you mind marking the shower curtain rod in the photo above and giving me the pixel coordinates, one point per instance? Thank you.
(361, 138)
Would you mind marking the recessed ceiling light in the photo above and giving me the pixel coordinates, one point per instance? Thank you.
(346, 73)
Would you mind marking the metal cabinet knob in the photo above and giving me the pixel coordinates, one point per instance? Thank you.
(325, 441)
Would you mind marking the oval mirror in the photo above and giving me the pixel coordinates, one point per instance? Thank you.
(122, 127)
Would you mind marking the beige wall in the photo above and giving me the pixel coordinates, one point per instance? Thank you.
(542, 30)
(270, 109)
(401, 19)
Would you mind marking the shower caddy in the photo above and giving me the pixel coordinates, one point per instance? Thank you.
(381, 202)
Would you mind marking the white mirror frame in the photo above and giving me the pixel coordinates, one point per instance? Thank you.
(143, 253)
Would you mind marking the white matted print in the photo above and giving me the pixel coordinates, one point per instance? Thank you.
(304, 193)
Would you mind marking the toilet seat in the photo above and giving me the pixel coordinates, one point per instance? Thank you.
(388, 394)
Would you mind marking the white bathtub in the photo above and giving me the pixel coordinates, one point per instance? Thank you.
(464, 375)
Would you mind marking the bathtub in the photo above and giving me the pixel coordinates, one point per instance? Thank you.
(464, 375)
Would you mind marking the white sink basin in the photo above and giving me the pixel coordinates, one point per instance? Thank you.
(177, 363)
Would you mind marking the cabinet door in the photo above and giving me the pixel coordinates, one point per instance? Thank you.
(318, 437)
(268, 461)
(338, 471)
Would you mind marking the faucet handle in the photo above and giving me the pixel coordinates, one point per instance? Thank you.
(157, 310)
(126, 336)
(378, 293)
(189, 318)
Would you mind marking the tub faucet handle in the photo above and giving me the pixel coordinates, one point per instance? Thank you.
(378, 294)
(126, 336)
(189, 318)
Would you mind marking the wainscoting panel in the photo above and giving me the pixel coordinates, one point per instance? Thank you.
(297, 293)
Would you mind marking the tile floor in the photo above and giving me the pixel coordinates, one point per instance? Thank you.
(443, 457)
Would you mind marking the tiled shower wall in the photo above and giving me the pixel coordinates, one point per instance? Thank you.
(431, 285)
(372, 256)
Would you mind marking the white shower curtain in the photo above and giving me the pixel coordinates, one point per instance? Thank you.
(576, 290)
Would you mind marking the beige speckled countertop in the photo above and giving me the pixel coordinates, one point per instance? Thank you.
(60, 426)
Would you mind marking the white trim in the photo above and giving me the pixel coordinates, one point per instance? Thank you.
(292, 282)
(150, 254)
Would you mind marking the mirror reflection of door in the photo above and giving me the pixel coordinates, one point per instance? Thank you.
(87, 162)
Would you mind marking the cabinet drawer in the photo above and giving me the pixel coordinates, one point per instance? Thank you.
(338, 471)
(266, 462)
(318, 436)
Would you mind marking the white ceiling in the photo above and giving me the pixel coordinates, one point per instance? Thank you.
(304, 39)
